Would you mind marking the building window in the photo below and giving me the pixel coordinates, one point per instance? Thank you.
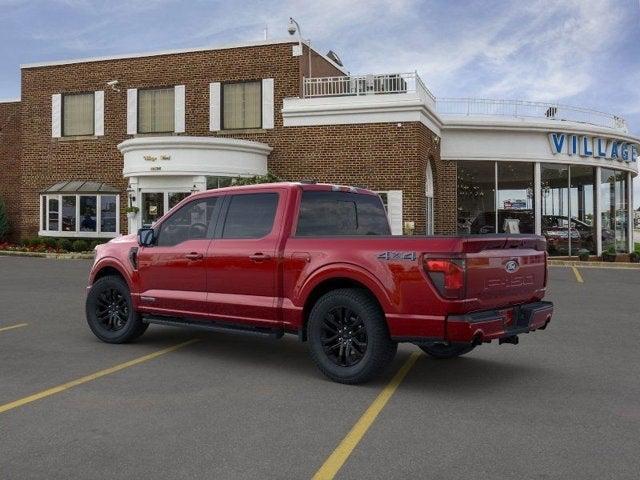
(218, 182)
(614, 211)
(476, 197)
(78, 114)
(515, 198)
(156, 110)
(241, 105)
(79, 216)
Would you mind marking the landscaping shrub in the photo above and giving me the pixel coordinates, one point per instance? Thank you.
(95, 243)
(65, 244)
(49, 242)
(80, 246)
(26, 242)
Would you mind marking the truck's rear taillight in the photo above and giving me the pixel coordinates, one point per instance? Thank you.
(447, 275)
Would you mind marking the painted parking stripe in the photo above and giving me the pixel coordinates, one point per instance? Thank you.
(576, 272)
(19, 325)
(336, 460)
(94, 376)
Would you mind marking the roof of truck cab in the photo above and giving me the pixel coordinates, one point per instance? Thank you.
(290, 185)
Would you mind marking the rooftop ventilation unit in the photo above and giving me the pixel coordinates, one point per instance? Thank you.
(334, 57)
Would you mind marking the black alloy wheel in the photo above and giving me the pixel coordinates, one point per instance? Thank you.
(112, 310)
(110, 313)
(348, 336)
(344, 337)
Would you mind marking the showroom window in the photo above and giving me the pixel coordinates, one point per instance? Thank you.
(476, 197)
(613, 207)
(241, 105)
(515, 198)
(78, 114)
(156, 110)
(78, 215)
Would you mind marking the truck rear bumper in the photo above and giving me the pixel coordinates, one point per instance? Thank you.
(486, 326)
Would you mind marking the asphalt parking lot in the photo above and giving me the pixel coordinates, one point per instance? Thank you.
(564, 403)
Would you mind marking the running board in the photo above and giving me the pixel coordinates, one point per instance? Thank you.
(212, 326)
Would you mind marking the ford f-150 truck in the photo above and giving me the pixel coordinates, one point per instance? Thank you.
(318, 261)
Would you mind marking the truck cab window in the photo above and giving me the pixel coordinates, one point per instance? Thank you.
(191, 222)
(325, 213)
(250, 216)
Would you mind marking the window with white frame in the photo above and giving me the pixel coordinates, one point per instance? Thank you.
(241, 105)
(392, 201)
(78, 114)
(79, 215)
(156, 110)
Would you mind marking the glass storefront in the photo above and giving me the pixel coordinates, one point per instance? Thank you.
(500, 197)
(515, 198)
(476, 197)
(613, 207)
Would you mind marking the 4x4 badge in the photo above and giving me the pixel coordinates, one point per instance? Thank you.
(397, 256)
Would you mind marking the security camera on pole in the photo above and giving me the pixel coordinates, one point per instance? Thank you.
(292, 29)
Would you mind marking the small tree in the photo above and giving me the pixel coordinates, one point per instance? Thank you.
(268, 178)
(4, 221)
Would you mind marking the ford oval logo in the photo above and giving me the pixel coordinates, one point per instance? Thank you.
(511, 266)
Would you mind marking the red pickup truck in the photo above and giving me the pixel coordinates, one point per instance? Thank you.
(318, 261)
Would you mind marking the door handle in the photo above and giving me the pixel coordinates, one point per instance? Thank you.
(194, 256)
(259, 257)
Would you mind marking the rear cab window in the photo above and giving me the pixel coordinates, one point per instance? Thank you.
(324, 213)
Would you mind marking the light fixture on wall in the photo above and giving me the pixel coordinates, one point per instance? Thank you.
(194, 189)
(131, 192)
(114, 85)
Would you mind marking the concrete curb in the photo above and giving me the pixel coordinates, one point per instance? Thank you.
(604, 265)
(56, 256)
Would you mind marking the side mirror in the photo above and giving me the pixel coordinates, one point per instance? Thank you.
(146, 237)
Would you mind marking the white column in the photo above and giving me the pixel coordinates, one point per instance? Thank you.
(630, 244)
(537, 198)
(598, 209)
(133, 224)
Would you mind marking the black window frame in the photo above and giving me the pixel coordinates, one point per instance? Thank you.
(236, 82)
(225, 212)
(161, 132)
(211, 229)
(93, 119)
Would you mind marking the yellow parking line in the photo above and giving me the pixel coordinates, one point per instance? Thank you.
(334, 463)
(19, 325)
(94, 376)
(577, 274)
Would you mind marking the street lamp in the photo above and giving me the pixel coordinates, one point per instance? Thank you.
(292, 29)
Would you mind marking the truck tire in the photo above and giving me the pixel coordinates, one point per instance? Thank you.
(110, 313)
(443, 352)
(348, 336)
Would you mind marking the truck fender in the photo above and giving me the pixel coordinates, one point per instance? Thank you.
(345, 271)
(114, 263)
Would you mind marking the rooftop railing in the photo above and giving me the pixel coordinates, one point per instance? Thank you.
(356, 85)
(526, 109)
(399, 83)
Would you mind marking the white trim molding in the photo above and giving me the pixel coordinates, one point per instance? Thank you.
(132, 111)
(391, 108)
(183, 155)
(268, 107)
(215, 110)
(98, 113)
(179, 109)
(56, 115)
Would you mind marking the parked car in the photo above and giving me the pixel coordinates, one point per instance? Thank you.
(317, 261)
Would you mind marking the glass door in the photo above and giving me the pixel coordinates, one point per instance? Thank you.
(152, 207)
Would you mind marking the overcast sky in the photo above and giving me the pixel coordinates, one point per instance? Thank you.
(580, 52)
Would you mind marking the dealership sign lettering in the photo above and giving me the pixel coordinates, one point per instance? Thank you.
(597, 147)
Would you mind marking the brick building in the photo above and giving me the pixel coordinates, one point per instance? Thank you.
(90, 137)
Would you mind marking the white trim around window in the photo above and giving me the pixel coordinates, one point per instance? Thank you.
(46, 216)
(392, 201)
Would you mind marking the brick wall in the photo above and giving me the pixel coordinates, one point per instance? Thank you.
(9, 160)
(377, 156)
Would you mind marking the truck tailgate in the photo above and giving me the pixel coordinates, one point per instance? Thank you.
(504, 271)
